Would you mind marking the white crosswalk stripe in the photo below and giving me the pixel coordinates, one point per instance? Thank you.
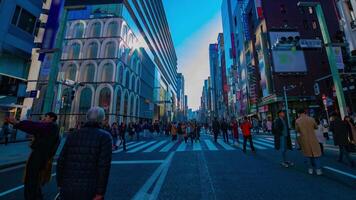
(167, 147)
(141, 147)
(263, 143)
(211, 145)
(182, 147)
(152, 148)
(129, 146)
(254, 144)
(197, 147)
(226, 146)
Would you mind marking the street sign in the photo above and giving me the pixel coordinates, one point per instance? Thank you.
(310, 43)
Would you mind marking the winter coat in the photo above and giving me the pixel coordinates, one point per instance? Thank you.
(83, 166)
(216, 127)
(309, 144)
(44, 146)
(340, 132)
(277, 131)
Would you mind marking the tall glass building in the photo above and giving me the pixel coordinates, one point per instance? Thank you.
(121, 53)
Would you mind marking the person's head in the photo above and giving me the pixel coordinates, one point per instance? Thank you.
(245, 118)
(50, 117)
(281, 114)
(96, 115)
(301, 112)
(347, 118)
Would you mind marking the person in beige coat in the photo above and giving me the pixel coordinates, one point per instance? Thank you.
(309, 144)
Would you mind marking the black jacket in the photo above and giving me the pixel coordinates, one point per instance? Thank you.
(340, 132)
(83, 166)
(277, 131)
(216, 127)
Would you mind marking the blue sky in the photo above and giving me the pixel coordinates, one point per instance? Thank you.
(194, 24)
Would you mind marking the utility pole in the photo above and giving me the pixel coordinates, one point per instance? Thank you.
(331, 55)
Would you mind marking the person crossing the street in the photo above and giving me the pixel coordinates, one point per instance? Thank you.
(216, 129)
(235, 132)
(282, 139)
(224, 130)
(122, 132)
(246, 127)
(305, 126)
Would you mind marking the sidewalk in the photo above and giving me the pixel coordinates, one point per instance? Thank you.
(17, 153)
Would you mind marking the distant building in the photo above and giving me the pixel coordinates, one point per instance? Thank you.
(180, 97)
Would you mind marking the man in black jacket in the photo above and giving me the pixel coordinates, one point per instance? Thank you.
(341, 133)
(44, 146)
(83, 166)
(282, 140)
(216, 129)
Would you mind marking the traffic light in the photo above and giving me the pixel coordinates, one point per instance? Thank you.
(287, 43)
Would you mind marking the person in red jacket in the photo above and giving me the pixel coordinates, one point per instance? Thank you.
(246, 132)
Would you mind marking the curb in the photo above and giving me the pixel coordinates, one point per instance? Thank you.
(8, 165)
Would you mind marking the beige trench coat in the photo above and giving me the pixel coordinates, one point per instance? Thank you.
(309, 144)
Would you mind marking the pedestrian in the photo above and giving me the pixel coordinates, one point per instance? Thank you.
(83, 166)
(341, 134)
(224, 130)
(44, 146)
(325, 128)
(352, 129)
(114, 134)
(216, 129)
(269, 125)
(305, 127)
(197, 132)
(319, 132)
(255, 125)
(6, 131)
(156, 128)
(235, 132)
(131, 130)
(185, 131)
(138, 130)
(191, 131)
(282, 139)
(246, 127)
(174, 132)
(122, 132)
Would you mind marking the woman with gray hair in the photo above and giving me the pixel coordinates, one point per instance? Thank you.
(83, 166)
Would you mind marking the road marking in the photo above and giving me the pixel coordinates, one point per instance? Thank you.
(141, 147)
(226, 146)
(167, 147)
(158, 176)
(340, 172)
(155, 146)
(265, 140)
(12, 168)
(254, 145)
(197, 147)
(182, 146)
(136, 162)
(263, 143)
(15, 189)
(210, 145)
(129, 146)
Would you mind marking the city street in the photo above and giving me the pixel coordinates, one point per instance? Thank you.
(161, 169)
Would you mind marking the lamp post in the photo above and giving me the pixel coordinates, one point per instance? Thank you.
(330, 53)
(285, 90)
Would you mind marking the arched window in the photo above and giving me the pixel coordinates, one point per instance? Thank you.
(85, 100)
(110, 49)
(118, 102)
(137, 88)
(74, 51)
(113, 28)
(107, 73)
(78, 30)
(88, 73)
(133, 81)
(126, 104)
(137, 68)
(120, 72)
(105, 99)
(71, 72)
(124, 33)
(127, 79)
(95, 30)
(137, 107)
(92, 50)
(132, 107)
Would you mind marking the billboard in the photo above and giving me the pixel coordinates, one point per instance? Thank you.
(287, 61)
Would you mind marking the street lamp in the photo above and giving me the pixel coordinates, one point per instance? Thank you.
(330, 54)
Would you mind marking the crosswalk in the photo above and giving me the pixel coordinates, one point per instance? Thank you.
(205, 144)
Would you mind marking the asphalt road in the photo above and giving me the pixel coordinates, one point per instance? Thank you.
(158, 169)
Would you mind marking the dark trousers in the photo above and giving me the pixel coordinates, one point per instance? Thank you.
(326, 135)
(226, 136)
(215, 136)
(321, 148)
(123, 142)
(344, 152)
(32, 185)
(249, 138)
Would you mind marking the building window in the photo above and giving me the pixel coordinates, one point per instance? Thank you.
(95, 30)
(113, 28)
(78, 30)
(85, 100)
(110, 49)
(127, 78)
(71, 72)
(107, 73)
(74, 51)
(24, 20)
(105, 99)
(88, 73)
(92, 50)
(133, 87)
(118, 102)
